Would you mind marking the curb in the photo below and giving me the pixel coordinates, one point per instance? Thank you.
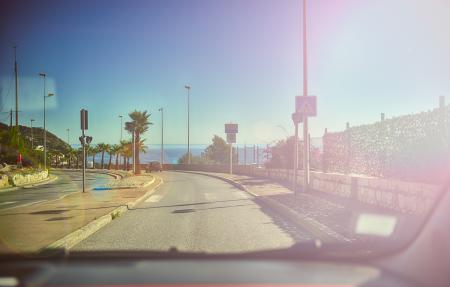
(84, 232)
(131, 187)
(316, 228)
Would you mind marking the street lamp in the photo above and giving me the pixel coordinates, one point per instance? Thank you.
(121, 126)
(68, 136)
(31, 130)
(188, 88)
(162, 135)
(45, 131)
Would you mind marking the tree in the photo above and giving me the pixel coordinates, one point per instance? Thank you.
(115, 150)
(124, 146)
(140, 124)
(102, 147)
(216, 153)
(92, 150)
(283, 155)
(219, 151)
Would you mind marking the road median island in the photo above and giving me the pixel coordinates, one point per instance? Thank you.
(65, 222)
(276, 197)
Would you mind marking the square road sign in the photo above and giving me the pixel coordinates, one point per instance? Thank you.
(231, 138)
(306, 106)
(231, 128)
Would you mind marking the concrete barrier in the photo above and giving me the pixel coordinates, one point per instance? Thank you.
(20, 179)
(407, 197)
(4, 181)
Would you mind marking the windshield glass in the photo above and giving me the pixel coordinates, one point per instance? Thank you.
(221, 126)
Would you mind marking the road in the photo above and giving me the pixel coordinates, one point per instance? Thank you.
(66, 183)
(194, 212)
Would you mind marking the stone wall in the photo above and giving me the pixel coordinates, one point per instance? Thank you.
(30, 178)
(402, 196)
(4, 181)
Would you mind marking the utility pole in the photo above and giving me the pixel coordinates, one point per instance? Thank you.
(188, 87)
(257, 155)
(10, 118)
(16, 75)
(68, 136)
(305, 94)
(31, 129)
(245, 154)
(162, 135)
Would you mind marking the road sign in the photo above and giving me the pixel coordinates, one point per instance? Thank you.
(231, 128)
(306, 106)
(84, 119)
(297, 118)
(231, 138)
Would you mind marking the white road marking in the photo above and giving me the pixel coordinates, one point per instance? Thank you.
(25, 205)
(7, 202)
(154, 198)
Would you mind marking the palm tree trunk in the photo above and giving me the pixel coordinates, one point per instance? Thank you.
(93, 160)
(110, 158)
(103, 158)
(136, 152)
(117, 161)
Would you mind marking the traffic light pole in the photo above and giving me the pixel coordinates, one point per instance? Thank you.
(231, 158)
(84, 160)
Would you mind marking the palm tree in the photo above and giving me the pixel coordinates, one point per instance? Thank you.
(127, 153)
(102, 147)
(114, 150)
(122, 147)
(111, 152)
(139, 125)
(92, 150)
(79, 155)
(70, 153)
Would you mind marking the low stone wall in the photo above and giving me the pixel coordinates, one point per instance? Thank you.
(4, 181)
(407, 197)
(25, 179)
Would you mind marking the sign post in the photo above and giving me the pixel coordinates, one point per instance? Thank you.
(231, 130)
(296, 118)
(84, 140)
(305, 106)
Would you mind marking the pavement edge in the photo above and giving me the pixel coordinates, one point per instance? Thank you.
(316, 228)
(84, 232)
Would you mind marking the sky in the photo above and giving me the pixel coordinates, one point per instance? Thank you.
(242, 59)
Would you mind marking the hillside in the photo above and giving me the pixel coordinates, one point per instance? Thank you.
(53, 142)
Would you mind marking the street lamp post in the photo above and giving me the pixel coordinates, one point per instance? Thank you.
(121, 126)
(162, 135)
(45, 132)
(68, 136)
(31, 130)
(188, 88)
(305, 94)
(134, 149)
(296, 118)
(44, 76)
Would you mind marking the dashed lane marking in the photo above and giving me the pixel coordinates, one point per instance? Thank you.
(154, 198)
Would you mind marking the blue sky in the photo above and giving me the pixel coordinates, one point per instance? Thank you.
(242, 59)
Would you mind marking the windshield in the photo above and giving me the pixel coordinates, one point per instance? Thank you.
(221, 126)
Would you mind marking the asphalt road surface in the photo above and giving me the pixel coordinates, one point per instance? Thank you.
(195, 213)
(66, 183)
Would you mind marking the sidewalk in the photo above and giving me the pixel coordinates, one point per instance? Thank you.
(325, 218)
(31, 228)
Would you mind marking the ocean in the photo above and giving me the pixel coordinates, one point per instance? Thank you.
(172, 152)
